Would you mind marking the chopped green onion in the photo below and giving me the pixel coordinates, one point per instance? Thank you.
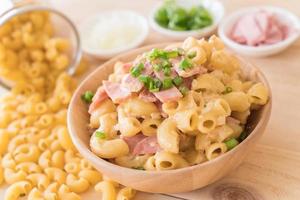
(137, 70)
(176, 27)
(100, 134)
(180, 51)
(138, 168)
(192, 54)
(185, 64)
(152, 55)
(179, 18)
(177, 80)
(162, 65)
(145, 79)
(167, 71)
(167, 83)
(231, 143)
(161, 16)
(157, 67)
(152, 84)
(243, 136)
(173, 16)
(160, 53)
(158, 83)
(165, 64)
(87, 97)
(157, 53)
(172, 54)
(227, 90)
(184, 90)
(154, 90)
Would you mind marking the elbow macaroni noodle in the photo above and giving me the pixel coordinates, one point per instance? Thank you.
(38, 158)
(108, 190)
(17, 189)
(126, 194)
(190, 130)
(168, 136)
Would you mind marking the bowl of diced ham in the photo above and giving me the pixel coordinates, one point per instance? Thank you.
(260, 31)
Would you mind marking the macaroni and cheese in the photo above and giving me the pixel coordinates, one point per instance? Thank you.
(174, 107)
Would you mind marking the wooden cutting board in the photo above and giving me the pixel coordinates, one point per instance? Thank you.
(272, 170)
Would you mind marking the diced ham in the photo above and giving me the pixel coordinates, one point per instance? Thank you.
(237, 35)
(247, 25)
(148, 70)
(116, 91)
(159, 106)
(275, 32)
(274, 35)
(263, 20)
(187, 82)
(231, 120)
(259, 28)
(161, 76)
(99, 96)
(131, 83)
(190, 72)
(140, 144)
(122, 68)
(147, 96)
(286, 30)
(171, 94)
(133, 141)
(126, 67)
(149, 145)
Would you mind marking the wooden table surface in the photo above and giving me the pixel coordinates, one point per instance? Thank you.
(272, 170)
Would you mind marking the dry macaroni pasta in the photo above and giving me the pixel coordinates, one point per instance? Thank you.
(38, 158)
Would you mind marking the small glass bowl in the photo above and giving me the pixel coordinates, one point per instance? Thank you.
(63, 27)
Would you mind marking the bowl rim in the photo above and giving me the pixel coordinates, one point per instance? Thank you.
(89, 155)
(143, 25)
(174, 33)
(291, 17)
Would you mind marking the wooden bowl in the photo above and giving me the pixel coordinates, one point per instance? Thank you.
(172, 181)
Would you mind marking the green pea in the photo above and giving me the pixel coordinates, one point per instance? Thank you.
(87, 97)
(231, 143)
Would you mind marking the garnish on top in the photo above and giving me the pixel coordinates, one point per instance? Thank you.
(161, 63)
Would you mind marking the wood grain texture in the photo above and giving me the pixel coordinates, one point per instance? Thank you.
(271, 171)
(267, 173)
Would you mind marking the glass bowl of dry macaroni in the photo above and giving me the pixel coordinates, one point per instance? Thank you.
(37, 157)
(33, 26)
(170, 118)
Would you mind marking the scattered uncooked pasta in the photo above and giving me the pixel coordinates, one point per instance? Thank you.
(174, 107)
(37, 157)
